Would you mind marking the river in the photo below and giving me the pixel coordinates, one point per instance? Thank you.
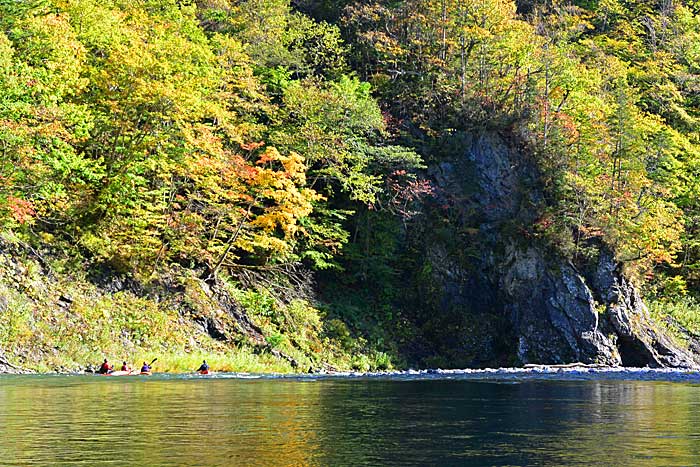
(335, 421)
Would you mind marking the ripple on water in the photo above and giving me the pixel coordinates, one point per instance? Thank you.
(452, 417)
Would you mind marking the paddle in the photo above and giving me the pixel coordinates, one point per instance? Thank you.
(149, 365)
(133, 370)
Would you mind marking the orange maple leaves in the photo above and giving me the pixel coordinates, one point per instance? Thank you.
(21, 210)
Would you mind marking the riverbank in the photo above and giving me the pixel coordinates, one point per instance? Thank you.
(509, 374)
(243, 361)
(542, 372)
(59, 317)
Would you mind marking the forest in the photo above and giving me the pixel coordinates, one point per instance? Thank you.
(158, 155)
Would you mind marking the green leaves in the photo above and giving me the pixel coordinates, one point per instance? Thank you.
(141, 127)
(603, 92)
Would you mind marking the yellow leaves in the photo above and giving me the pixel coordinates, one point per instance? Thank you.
(263, 201)
(6, 53)
(49, 45)
(651, 236)
(265, 243)
(270, 154)
(282, 190)
(201, 138)
(294, 166)
(277, 217)
(15, 140)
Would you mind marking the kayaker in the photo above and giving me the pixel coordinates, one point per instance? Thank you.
(203, 368)
(105, 368)
(145, 368)
(125, 366)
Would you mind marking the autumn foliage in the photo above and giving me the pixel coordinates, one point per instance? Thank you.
(222, 134)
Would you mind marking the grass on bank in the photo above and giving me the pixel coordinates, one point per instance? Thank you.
(239, 361)
(63, 322)
(685, 311)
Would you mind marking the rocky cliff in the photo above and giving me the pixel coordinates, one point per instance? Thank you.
(521, 301)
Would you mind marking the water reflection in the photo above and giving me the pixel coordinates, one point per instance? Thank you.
(134, 421)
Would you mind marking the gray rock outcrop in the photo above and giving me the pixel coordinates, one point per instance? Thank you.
(555, 312)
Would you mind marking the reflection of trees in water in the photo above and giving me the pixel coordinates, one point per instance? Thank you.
(616, 422)
(360, 422)
(532, 423)
(147, 422)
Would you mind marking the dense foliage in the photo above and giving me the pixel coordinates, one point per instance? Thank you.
(604, 93)
(151, 133)
(224, 135)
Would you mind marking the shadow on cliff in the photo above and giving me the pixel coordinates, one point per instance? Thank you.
(477, 290)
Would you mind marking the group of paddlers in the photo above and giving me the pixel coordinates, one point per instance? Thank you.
(106, 368)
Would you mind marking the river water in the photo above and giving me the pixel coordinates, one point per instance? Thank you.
(465, 420)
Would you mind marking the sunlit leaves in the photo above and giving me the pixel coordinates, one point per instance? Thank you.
(603, 94)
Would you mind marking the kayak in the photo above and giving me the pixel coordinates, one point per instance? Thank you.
(119, 373)
(203, 372)
(125, 373)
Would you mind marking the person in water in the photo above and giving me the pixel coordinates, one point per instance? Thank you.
(125, 366)
(105, 368)
(145, 368)
(203, 367)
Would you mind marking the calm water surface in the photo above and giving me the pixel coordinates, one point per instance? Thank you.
(166, 421)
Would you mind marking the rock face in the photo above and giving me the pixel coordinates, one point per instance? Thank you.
(554, 313)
